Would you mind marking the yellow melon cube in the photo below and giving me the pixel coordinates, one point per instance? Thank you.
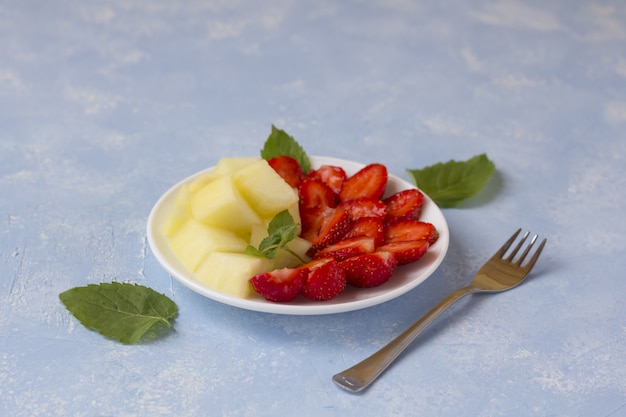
(219, 203)
(199, 182)
(228, 166)
(287, 259)
(294, 210)
(230, 273)
(225, 166)
(258, 232)
(264, 189)
(179, 212)
(193, 242)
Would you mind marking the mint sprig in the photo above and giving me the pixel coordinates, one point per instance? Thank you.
(280, 143)
(281, 230)
(122, 311)
(450, 183)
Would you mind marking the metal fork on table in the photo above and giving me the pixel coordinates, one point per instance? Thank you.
(499, 273)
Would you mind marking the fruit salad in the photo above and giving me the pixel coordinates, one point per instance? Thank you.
(272, 226)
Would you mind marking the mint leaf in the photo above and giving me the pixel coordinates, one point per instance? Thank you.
(251, 250)
(280, 221)
(449, 183)
(280, 143)
(125, 312)
(281, 230)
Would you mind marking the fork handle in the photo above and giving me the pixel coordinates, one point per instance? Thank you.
(362, 374)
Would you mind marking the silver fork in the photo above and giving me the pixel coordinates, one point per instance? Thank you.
(499, 273)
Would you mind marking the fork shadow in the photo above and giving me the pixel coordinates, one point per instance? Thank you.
(464, 307)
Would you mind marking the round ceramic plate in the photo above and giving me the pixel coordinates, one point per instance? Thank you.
(405, 277)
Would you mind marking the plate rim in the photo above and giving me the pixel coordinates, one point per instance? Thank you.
(156, 240)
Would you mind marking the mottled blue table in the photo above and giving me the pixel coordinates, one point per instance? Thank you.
(105, 105)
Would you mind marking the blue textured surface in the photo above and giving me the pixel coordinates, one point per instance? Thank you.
(103, 106)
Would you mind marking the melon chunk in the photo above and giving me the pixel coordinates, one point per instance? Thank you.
(225, 166)
(199, 182)
(228, 166)
(286, 259)
(179, 213)
(264, 189)
(294, 210)
(230, 273)
(219, 203)
(258, 232)
(193, 242)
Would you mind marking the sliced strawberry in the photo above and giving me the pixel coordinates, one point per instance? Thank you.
(312, 221)
(365, 207)
(406, 251)
(370, 182)
(316, 194)
(326, 279)
(411, 230)
(288, 168)
(347, 248)
(369, 270)
(316, 203)
(280, 285)
(327, 226)
(331, 175)
(404, 205)
(367, 226)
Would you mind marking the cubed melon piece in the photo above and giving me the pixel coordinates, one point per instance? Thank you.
(200, 181)
(195, 240)
(286, 259)
(294, 210)
(225, 166)
(264, 189)
(219, 203)
(230, 273)
(228, 166)
(258, 232)
(179, 211)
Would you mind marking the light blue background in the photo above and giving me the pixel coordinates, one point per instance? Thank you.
(105, 105)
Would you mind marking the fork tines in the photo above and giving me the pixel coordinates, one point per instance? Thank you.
(531, 262)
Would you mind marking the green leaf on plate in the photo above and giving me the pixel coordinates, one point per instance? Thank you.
(279, 143)
(449, 183)
(121, 311)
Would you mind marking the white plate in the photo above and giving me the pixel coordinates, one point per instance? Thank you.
(405, 277)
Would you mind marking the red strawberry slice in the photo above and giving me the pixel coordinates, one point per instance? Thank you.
(370, 182)
(369, 270)
(326, 279)
(406, 251)
(347, 248)
(365, 207)
(411, 230)
(280, 285)
(324, 227)
(288, 168)
(316, 194)
(404, 205)
(316, 204)
(367, 226)
(331, 175)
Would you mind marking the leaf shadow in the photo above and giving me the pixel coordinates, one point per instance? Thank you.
(489, 192)
(157, 332)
